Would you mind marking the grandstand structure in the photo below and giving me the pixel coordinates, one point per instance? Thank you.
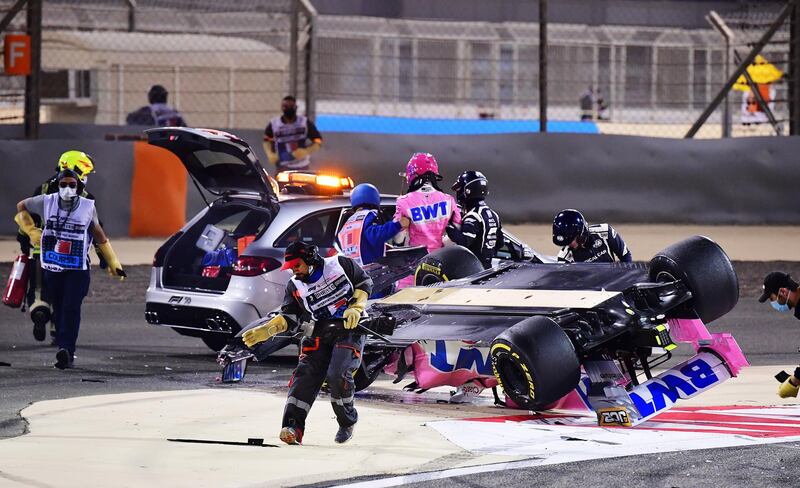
(648, 76)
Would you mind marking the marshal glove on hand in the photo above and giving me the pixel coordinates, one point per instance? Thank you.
(114, 267)
(789, 386)
(26, 225)
(272, 156)
(303, 152)
(787, 389)
(353, 313)
(276, 325)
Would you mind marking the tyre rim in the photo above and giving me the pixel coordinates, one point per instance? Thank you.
(513, 378)
(665, 277)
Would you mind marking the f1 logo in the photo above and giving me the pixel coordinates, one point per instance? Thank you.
(17, 54)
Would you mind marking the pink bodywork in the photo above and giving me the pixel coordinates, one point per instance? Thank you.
(691, 331)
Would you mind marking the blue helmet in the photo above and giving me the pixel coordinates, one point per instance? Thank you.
(365, 195)
(568, 225)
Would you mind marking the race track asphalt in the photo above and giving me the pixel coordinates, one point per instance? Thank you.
(118, 352)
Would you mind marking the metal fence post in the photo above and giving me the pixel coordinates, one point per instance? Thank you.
(751, 56)
(794, 72)
(33, 80)
(310, 59)
(542, 65)
(293, 37)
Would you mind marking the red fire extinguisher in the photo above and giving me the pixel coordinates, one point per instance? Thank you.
(17, 283)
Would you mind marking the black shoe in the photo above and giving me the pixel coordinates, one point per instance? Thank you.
(344, 434)
(39, 325)
(64, 359)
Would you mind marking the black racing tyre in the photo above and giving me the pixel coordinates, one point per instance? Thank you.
(704, 267)
(215, 341)
(445, 264)
(535, 362)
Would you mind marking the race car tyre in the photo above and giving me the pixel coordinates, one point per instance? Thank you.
(535, 362)
(445, 264)
(215, 342)
(704, 267)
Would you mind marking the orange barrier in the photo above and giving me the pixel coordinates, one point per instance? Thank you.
(158, 192)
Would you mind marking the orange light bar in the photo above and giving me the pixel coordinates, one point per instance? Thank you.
(327, 180)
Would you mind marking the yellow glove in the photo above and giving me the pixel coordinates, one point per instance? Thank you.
(299, 153)
(276, 325)
(26, 225)
(114, 267)
(787, 389)
(353, 313)
(272, 156)
(303, 152)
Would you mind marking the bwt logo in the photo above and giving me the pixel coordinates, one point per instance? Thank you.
(429, 212)
(468, 358)
(680, 382)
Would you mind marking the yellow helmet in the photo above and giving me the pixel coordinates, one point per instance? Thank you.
(77, 161)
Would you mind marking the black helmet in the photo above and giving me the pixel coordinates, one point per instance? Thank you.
(471, 185)
(157, 94)
(568, 225)
(300, 250)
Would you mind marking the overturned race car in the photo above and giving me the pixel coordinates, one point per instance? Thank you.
(569, 336)
(573, 336)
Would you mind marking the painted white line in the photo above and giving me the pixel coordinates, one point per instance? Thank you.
(448, 473)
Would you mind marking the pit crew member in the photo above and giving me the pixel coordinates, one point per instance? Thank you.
(584, 243)
(480, 225)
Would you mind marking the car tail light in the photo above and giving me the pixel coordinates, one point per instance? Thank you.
(254, 266)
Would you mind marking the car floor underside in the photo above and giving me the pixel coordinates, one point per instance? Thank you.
(612, 327)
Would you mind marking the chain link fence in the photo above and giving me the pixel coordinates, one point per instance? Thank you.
(228, 64)
(224, 64)
(625, 78)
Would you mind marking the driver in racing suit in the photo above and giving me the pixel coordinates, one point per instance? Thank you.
(583, 243)
(321, 289)
(425, 209)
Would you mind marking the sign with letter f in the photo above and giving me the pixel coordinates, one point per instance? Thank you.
(17, 54)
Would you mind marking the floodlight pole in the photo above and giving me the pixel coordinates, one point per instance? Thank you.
(542, 65)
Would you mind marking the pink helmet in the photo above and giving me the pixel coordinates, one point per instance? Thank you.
(419, 164)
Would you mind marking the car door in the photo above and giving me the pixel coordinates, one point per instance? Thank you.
(317, 228)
